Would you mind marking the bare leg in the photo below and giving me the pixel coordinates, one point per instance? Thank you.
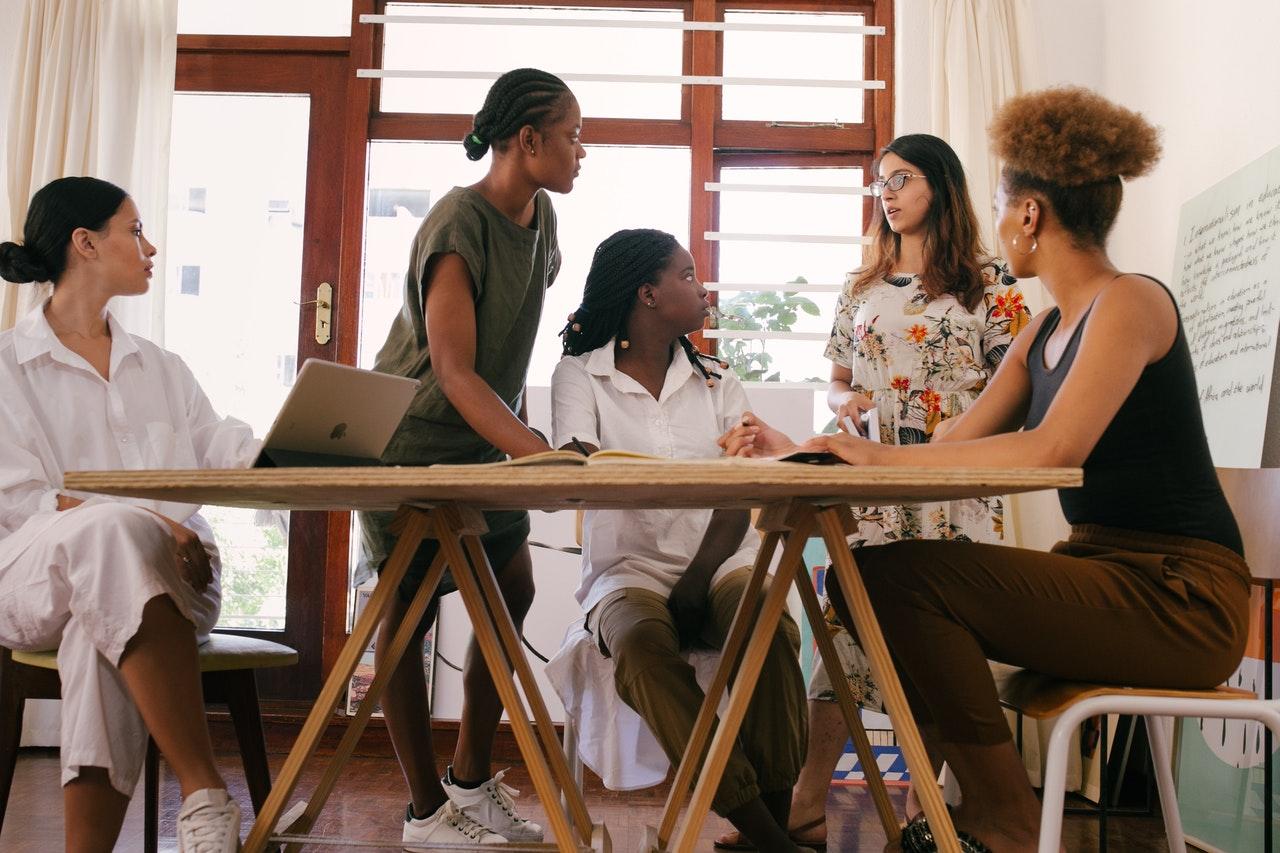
(827, 737)
(481, 705)
(808, 807)
(94, 812)
(161, 668)
(754, 820)
(408, 711)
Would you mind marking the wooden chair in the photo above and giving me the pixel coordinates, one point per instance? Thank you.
(1254, 496)
(227, 665)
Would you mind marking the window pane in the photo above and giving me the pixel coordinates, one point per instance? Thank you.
(272, 18)
(654, 182)
(809, 56)
(772, 263)
(488, 47)
(620, 187)
(234, 270)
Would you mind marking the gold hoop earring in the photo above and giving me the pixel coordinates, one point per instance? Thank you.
(1034, 245)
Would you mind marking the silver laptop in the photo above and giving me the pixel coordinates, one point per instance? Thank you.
(336, 415)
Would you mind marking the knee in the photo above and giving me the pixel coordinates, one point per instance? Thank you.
(518, 593)
(122, 531)
(637, 650)
(885, 570)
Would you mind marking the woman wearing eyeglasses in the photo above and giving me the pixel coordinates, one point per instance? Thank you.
(919, 330)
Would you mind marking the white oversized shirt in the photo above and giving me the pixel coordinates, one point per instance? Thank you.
(60, 415)
(594, 402)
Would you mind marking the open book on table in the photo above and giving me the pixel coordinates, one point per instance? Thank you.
(572, 457)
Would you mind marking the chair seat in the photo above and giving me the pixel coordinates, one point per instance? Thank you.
(1039, 696)
(222, 653)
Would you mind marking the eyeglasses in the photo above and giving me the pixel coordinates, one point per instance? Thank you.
(894, 183)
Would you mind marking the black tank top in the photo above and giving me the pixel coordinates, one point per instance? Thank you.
(1151, 470)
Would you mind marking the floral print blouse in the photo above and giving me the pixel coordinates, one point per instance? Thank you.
(922, 361)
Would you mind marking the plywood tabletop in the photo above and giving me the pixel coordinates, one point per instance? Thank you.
(600, 485)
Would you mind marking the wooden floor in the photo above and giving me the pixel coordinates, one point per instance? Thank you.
(370, 806)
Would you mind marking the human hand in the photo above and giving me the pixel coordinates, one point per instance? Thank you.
(193, 560)
(689, 604)
(852, 449)
(852, 407)
(753, 437)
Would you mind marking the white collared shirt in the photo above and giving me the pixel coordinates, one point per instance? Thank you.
(594, 402)
(60, 415)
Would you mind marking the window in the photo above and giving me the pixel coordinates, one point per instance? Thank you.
(190, 281)
(319, 176)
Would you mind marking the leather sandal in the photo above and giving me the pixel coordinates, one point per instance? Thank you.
(917, 837)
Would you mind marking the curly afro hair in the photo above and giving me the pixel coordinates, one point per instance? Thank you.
(1071, 147)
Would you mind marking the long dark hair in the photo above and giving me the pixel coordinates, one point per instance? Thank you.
(56, 211)
(953, 252)
(525, 96)
(621, 264)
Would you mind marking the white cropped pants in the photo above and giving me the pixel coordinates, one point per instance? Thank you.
(79, 586)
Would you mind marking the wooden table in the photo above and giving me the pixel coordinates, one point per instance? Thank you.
(444, 502)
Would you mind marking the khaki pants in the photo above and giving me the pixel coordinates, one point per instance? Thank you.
(634, 627)
(1106, 605)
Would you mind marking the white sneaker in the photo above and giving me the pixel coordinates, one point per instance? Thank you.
(209, 822)
(494, 805)
(448, 826)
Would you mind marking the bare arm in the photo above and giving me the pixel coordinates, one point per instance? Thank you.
(1132, 325)
(451, 332)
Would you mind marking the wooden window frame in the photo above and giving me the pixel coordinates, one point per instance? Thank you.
(713, 143)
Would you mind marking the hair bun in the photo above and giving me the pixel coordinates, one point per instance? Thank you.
(20, 264)
(1071, 136)
(475, 145)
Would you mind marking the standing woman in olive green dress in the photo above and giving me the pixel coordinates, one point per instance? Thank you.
(478, 269)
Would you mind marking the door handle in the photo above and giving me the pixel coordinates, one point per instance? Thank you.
(324, 312)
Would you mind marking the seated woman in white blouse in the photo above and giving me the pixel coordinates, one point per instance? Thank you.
(122, 589)
(658, 581)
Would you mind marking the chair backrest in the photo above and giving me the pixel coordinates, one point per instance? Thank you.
(1254, 495)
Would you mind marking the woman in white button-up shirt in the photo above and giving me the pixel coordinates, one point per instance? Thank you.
(121, 588)
(656, 582)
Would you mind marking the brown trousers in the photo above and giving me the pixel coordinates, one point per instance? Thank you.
(634, 627)
(1106, 605)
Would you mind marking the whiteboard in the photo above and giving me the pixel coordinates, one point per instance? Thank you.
(1227, 283)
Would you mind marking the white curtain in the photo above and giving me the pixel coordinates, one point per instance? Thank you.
(89, 92)
(982, 54)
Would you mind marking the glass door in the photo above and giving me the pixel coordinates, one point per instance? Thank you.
(255, 176)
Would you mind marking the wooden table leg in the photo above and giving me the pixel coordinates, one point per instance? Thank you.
(743, 623)
(499, 664)
(832, 523)
(510, 639)
(848, 707)
(762, 631)
(414, 525)
(382, 674)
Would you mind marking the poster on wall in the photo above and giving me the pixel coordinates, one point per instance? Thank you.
(1227, 283)
(1221, 763)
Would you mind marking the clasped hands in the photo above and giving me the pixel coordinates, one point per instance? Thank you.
(755, 438)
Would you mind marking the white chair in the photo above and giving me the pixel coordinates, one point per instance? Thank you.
(1040, 697)
(1254, 496)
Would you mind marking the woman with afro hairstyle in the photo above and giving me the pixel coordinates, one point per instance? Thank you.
(478, 269)
(1151, 588)
(655, 582)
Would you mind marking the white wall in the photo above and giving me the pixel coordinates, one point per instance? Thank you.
(1207, 74)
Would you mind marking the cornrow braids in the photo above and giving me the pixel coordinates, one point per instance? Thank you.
(517, 98)
(621, 264)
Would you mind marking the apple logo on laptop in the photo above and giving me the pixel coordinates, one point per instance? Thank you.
(339, 431)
